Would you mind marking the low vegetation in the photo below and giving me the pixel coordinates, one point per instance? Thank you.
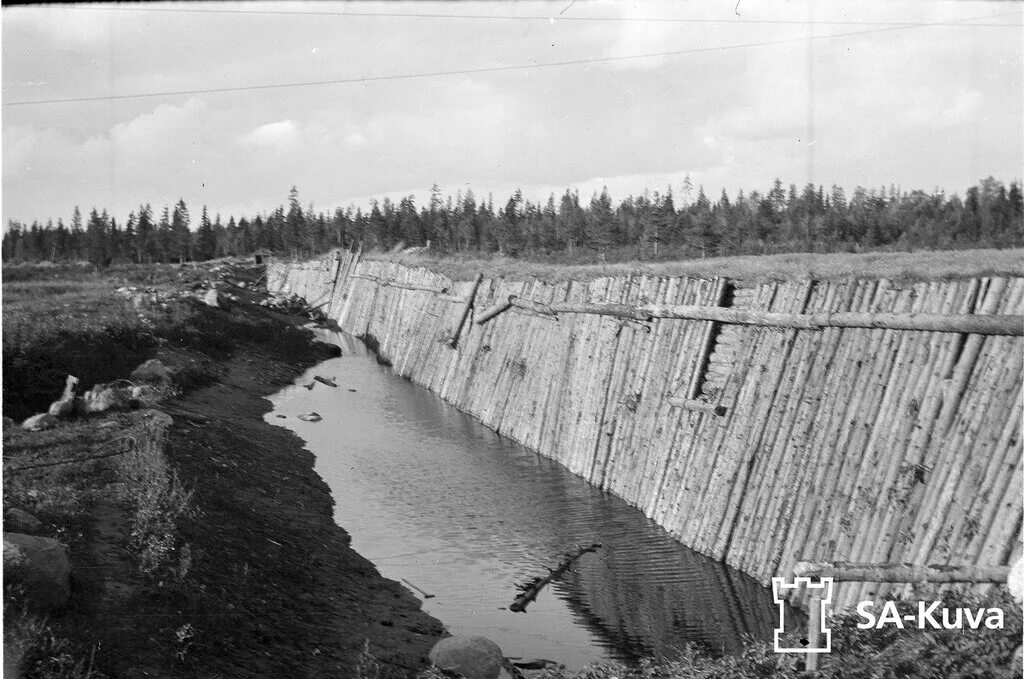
(857, 654)
(71, 320)
(900, 266)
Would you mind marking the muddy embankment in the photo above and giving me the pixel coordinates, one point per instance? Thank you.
(263, 581)
(797, 420)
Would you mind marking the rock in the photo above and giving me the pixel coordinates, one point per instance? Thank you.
(102, 398)
(152, 370)
(20, 521)
(158, 418)
(41, 565)
(310, 417)
(40, 422)
(1015, 581)
(62, 408)
(217, 299)
(472, 657)
(212, 298)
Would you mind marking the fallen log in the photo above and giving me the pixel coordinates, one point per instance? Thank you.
(425, 594)
(531, 589)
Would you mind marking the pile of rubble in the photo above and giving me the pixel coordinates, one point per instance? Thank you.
(149, 382)
(293, 304)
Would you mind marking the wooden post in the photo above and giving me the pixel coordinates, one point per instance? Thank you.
(464, 314)
(813, 629)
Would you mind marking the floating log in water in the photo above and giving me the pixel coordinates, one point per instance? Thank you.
(421, 591)
(532, 589)
(326, 380)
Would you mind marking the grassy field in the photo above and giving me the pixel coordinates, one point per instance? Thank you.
(930, 265)
(71, 320)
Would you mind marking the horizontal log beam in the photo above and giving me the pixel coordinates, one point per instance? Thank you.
(602, 309)
(980, 324)
(733, 316)
(395, 284)
(977, 324)
(498, 308)
(532, 307)
(900, 572)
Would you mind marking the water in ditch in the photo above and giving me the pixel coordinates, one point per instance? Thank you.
(439, 501)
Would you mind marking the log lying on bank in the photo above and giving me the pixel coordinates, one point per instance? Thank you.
(531, 589)
(900, 572)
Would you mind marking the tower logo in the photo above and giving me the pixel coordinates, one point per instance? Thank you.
(820, 589)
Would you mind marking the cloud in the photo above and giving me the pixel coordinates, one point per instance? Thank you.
(279, 135)
(356, 139)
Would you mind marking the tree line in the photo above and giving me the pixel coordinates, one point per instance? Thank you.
(652, 225)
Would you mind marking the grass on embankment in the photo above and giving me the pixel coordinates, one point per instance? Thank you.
(884, 653)
(902, 266)
(60, 321)
(70, 320)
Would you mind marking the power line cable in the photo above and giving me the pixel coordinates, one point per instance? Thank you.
(513, 17)
(472, 71)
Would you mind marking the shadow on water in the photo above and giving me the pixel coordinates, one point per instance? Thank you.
(371, 343)
(433, 497)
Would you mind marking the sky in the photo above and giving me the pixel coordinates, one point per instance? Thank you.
(464, 95)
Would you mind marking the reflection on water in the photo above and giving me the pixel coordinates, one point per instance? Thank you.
(433, 497)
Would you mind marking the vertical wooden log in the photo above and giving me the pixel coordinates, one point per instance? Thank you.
(813, 629)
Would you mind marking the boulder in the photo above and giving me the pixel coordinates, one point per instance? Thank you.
(20, 521)
(472, 657)
(217, 299)
(152, 370)
(41, 566)
(310, 417)
(102, 398)
(62, 408)
(212, 298)
(9, 423)
(40, 422)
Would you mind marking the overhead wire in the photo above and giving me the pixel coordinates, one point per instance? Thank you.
(548, 18)
(470, 71)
